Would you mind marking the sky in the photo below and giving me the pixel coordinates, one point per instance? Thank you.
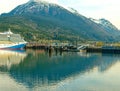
(108, 9)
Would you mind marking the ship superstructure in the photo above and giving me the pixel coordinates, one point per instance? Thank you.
(10, 40)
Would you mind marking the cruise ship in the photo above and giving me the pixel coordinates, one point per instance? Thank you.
(9, 40)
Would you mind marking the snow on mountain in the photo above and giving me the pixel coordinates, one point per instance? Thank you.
(41, 13)
(95, 20)
(107, 25)
(72, 10)
(46, 1)
(33, 6)
(104, 22)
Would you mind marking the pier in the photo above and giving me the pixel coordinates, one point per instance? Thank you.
(104, 50)
(36, 46)
(69, 48)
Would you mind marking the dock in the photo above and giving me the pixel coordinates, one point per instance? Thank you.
(68, 48)
(36, 46)
(104, 50)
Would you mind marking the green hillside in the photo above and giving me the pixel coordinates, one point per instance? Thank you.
(52, 22)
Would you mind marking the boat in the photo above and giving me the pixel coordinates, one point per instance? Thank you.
(9, 40)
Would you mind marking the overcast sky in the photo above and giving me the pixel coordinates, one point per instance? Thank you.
(108, 9)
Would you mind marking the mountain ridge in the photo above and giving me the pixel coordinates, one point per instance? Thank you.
(107, 25)
(43, 20)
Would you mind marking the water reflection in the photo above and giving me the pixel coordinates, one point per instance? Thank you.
(39, 68)
(10, 57)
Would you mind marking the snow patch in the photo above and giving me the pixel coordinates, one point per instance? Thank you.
(47, 1)
(95, 20)
(72, 10)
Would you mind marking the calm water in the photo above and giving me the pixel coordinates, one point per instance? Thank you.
(43, 71)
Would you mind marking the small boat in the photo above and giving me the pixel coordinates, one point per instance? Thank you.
(9, 40)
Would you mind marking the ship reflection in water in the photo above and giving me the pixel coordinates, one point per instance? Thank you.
(41, 71)
(11, 57)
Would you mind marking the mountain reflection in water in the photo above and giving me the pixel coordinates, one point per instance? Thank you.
(37, 68)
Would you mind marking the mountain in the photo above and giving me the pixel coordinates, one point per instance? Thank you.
(72, 10)
(107, 25)
(37, 20)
